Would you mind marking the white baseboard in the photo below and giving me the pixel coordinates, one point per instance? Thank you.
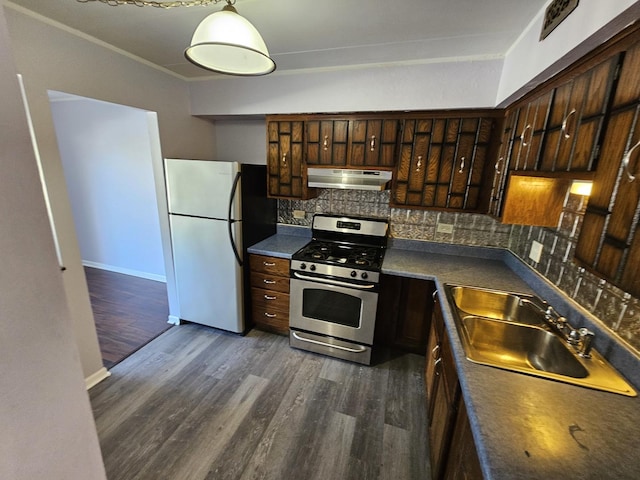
(126, 271)
(173, 320)
(96, 378)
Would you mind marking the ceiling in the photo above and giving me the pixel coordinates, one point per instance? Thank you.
(303, 34)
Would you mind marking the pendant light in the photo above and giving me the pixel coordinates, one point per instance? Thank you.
(225, 42)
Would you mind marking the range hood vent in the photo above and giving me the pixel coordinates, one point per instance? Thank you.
(348, 179)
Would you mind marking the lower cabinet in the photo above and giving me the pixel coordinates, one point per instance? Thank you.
(452, 451)
(463, 462)
(270, 293)
(404, 313)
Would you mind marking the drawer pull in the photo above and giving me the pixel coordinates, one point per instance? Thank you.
(269, 297)
(497, 166)
(373, 142)
(435, 352)
(523, 135)
(270, 315)
(565, 123)
(269, 282)
(269, 264)
(626, 160)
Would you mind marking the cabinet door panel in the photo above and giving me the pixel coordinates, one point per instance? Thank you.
(284, 159)
(442, 162)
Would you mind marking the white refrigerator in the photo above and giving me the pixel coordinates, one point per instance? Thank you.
(204, 202)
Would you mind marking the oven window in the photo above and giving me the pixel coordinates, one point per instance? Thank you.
(331, 307)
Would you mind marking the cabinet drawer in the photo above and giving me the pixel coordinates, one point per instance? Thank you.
(270, 281)
(270, 301)
(272, 265)
(270, 314)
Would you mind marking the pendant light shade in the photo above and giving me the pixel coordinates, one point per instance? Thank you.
(225, 42)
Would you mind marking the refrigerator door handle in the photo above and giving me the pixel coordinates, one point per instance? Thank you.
(231, 221)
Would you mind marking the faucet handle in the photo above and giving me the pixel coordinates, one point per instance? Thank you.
(586, 337)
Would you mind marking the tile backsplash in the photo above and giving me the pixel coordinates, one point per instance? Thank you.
(618, 310)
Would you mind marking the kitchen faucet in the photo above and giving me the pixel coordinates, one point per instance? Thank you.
(580, 339)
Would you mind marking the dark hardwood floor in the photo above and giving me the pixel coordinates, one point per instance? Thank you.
(128, 311)
(197, 403)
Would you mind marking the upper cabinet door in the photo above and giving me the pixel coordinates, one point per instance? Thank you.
(442, 162)
(286, 175)
(326, 142)
(609, 243)
(576, 120)
(529, 132)
(501, 167)
(373, 143)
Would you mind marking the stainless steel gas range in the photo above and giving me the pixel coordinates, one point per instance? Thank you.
(334, 287)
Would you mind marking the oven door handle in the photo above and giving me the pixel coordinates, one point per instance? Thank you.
(339, 347)
(334, 282)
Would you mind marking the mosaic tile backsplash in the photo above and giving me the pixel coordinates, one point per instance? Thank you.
(617, 309)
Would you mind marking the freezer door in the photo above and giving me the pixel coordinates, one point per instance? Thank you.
(201, 188)
(209, 280)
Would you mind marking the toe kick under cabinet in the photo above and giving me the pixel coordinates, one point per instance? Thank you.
(270, 293)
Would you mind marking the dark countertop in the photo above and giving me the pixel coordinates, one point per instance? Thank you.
(524, 427)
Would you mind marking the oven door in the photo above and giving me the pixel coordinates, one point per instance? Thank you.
(333, 308)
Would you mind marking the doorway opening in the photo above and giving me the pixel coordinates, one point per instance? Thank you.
(108, 153)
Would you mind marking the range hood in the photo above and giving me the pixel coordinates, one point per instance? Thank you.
(348, 179)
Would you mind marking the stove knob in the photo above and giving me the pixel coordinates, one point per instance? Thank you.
(354, 273)
(364, 275)
(312, 268)
(303, 266)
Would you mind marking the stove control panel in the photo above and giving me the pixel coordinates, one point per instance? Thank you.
(335, 271)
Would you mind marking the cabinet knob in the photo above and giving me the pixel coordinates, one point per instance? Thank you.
(626, 160)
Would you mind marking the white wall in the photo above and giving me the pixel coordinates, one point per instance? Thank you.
(529, 57)
(107, 162)
(243, 141)
(52, 58)
(454, 84)
(47, 425)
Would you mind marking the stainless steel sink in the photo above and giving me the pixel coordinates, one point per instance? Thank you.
(508, 331)
(498, 305)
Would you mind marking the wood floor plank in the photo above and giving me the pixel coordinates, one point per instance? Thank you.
(128, 312)
(196, 404)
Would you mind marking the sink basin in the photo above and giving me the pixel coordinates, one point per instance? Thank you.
(505, 330)
(520, 347)
(498, 305)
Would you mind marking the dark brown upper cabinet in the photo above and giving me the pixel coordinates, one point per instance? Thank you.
(286, 173)
(576, 120)
(609, 242)
(442, 160)
(351, 142)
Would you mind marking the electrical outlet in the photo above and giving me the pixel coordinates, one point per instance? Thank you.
(536, 251)
(299, 214)
(444, 228)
